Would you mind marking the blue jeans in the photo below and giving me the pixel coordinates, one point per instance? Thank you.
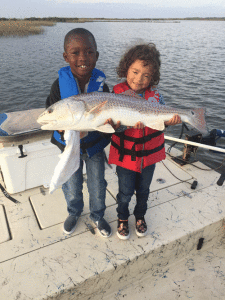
(130, 181)
(96, 183)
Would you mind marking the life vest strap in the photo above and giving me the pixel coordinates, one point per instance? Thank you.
(134, 153)
(140, 140)
(136, 141)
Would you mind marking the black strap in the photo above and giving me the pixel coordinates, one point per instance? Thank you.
(85, 146)
(140, 140)
(6, 194)
(58, 144)
(132, 152)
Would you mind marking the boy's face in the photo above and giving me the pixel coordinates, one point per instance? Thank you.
(139, 76)
(81, 54)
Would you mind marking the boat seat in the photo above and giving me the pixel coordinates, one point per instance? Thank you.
(21, 127)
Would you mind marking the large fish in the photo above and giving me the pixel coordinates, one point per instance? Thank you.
(88, 112)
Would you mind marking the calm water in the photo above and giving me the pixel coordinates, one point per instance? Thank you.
(192, 73)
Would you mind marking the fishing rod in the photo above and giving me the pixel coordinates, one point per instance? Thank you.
(193, 141)
(187, 142)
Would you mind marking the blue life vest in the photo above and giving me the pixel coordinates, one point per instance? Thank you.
(94, 142)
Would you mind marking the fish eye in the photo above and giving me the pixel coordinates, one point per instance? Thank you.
(50, 110)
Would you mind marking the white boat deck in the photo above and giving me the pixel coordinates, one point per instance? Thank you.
(38, 261)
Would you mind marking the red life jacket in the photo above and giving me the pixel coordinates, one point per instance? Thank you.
(135, 149)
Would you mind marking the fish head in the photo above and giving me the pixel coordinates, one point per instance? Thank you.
(62, 115)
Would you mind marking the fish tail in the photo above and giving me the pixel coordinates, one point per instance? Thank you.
(198, 120)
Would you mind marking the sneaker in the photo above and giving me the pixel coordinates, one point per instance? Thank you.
(103, 228)
(123, 230)
(70, 224)
(141, 227)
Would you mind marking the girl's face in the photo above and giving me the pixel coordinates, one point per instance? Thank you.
(139, 76)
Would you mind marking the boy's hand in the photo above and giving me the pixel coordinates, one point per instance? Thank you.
(173, 121)
(110, 121)
(83, 134)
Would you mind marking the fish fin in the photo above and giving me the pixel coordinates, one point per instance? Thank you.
(107, 128)
(198, 120)
(97, 109)
(131, 93)
(157, 125)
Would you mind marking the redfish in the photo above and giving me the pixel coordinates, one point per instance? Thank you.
(88, 112)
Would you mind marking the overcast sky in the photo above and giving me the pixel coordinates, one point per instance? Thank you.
(112, 8)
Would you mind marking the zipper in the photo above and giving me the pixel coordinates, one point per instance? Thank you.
(142, 149)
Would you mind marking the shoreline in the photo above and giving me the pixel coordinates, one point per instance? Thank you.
(30, 26)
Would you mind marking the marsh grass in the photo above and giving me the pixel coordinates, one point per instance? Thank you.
(22, 27)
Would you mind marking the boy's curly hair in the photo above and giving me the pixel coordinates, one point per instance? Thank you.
(146, 52)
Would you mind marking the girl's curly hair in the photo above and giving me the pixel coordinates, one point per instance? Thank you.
(146, 52)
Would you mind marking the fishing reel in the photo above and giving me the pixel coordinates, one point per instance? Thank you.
(196, 137)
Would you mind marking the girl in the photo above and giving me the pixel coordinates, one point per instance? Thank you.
(136, 150)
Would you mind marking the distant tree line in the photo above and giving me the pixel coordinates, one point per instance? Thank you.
(64, 19)
(52, 19)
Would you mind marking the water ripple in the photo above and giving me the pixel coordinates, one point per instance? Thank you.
(192, 73)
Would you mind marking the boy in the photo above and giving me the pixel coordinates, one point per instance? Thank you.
(81, 76)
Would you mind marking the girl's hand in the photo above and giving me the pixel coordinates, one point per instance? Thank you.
(110, 121)
(138, 125)
(173, 121)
